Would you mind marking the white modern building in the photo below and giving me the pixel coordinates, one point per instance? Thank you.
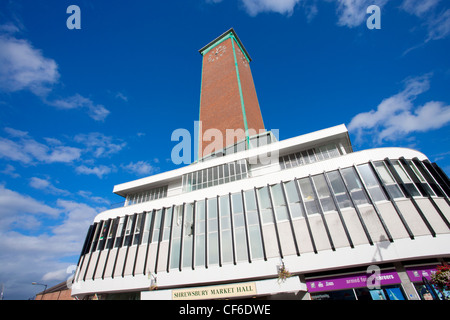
(227, 226)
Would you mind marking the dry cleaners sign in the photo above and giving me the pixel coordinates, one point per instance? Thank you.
(215, 292)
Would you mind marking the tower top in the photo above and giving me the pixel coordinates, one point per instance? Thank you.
(230, 33)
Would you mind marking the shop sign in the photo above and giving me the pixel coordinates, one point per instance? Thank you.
(350, 281)
(215, 292)
(416, 274)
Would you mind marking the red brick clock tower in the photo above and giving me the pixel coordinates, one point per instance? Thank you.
(228, 97)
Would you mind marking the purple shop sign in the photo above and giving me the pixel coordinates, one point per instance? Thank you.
(350, 281)
(416, 274)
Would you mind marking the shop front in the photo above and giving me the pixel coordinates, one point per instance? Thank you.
(420, 276)
(383, 285)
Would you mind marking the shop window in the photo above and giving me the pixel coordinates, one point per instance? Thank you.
(334, 295)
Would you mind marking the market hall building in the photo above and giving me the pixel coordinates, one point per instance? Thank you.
(302, 218)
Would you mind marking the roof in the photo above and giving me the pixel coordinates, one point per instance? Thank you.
(223, 35)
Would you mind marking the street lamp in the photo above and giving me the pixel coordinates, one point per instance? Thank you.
(40, 284)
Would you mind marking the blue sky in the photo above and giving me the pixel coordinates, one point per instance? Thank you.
(84, 110)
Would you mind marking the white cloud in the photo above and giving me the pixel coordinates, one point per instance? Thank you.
(27, 150)
(418, 7)
(352, 13)
(99, 144)
(99, 171)
(24, 67)
(47, 186)
(253, 7)
(14, 206)
(10, 171)
(439, 26)
(397, 115)
(95, 111)
(140, 168)
(39, 257)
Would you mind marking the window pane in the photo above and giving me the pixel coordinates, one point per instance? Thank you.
(308, 196)
(291, 191)
(250, 201)
(354, 185)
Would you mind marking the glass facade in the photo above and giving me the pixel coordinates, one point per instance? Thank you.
(312, 155)
(214, 176)
(229, 228)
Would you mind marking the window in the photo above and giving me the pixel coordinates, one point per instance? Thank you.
(308, 196)
(354, 185)
(407, 182)
(157, 226)
(239, 227)
(167, 224)
(391, 186)
(137, 229)
(279, 203)
(213, 233)
(225, 227)
(264, 205)
(148, 195)
(176, 237)
(324, 193)
(309, 156)
(200, 220)
(293, 198)
(213, 176)
(420, 178)
(119, 234)
(188, 233)
(254, 230)
(112, 232)
(373, 187)
(338, 187)
(148, 221)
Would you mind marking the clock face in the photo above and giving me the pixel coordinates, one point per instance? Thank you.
(242, 58)
(216, 53)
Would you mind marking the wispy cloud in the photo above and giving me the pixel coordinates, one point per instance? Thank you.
(140, 168)
(99, 171)
(46, 186)
(24, 67)
(95, 111)
(99, 144)
(44, 248)
(352, 13)
(23, 148)
(397, 116)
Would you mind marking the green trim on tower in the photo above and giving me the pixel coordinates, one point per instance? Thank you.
(244, 116)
